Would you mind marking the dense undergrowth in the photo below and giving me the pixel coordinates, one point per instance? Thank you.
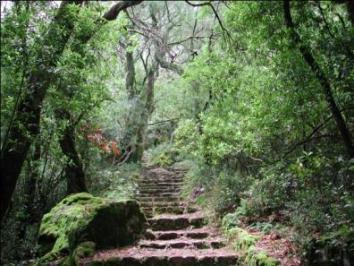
(264, 152)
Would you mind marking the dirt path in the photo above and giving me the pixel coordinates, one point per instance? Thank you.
(178, 234)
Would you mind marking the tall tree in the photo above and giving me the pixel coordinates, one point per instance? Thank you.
(26, 120)
(74, 171)
(39, 79)
(322, 79)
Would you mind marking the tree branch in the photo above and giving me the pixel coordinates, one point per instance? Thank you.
(163, 121)
(114, 11)
(215, 13)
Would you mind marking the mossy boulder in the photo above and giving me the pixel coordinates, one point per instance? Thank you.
(83, 250)
(82, 218)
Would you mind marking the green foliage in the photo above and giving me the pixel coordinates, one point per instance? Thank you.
(330, 246)
(245, 244)
(115, 182)
(261, 124)
(186, 137)
(227, 190)
(263, 227)
(161, 155)
(260, 258)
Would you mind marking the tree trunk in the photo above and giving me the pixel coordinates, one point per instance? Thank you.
(322, 79)
(74, 172)
(31, 181)
(130, 137)
(130, 78)
(29, 190)
(26, 120)
(137, 140)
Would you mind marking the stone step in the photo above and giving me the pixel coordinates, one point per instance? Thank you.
(169, 209)
(159, 190)
(159, 186)
(160, 181)
(159, 199)
(161, 204)
(183, 243)
(159, 210)
(196, 233)
(150, 211)
(133, 256)
(168, 222)
(158, 194)
(149, 184)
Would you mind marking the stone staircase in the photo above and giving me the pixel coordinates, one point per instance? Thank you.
(178, 233)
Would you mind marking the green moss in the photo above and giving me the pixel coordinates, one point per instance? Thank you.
(85, 249)
(162, 159)
(201, 200)
(69, 215)
(82, 217)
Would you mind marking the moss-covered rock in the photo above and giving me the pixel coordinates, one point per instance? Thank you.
(83, 250)
(84, 218)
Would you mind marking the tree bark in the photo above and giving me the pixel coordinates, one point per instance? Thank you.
(144, 117)
(29, 192)
(74, 172)
(130, 78)
(26, 120)
(322, 79)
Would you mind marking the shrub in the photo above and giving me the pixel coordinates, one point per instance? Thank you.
(162, 155)
(227, 191)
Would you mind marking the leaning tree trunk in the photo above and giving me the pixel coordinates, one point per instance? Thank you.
(26, 120)
(322, 79)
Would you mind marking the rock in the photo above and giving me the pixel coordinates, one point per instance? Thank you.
(84, 218)
(83, 250)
